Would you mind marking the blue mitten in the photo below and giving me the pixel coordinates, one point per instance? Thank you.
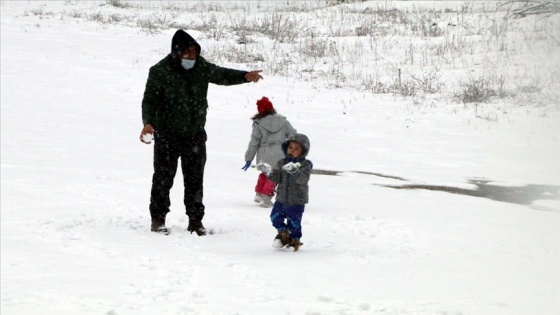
(246, 166)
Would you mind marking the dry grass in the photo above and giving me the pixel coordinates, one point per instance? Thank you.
(379, 47)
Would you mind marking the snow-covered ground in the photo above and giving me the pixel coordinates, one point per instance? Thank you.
(75, 183)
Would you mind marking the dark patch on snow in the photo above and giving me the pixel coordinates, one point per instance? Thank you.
(335, 173)
(380, 175)
(522, 195)
(324, 172)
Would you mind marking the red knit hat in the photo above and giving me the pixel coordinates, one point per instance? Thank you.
(264, 105)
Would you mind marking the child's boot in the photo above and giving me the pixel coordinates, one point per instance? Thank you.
(258, 198)
(295, 244)
(282, 239)
(266, 201)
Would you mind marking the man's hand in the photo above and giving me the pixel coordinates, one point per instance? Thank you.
(147, 130)
(253, 76)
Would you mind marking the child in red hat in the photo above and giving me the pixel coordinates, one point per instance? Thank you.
(270, 130)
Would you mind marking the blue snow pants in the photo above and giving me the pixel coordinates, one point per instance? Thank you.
(292, 214)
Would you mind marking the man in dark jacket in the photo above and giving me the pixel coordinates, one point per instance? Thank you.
(174, 113)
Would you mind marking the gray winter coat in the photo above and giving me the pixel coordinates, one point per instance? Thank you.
(268, 134)
(293, 189)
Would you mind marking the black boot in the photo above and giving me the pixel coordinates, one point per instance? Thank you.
(195, 225)
(158, 226)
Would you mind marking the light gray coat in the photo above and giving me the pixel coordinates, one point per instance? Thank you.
(266, 138)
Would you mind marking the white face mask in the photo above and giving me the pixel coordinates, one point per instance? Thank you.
(187, 63)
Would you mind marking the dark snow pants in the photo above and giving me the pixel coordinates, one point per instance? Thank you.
(167, 151)
(287, 218)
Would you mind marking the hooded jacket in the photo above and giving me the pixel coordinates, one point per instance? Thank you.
(293, 189)
(175, 100)
(266, 138)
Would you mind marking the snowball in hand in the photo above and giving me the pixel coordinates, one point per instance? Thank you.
(291, 166)
(147, 137)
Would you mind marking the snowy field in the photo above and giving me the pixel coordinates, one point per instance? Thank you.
(75, 184)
